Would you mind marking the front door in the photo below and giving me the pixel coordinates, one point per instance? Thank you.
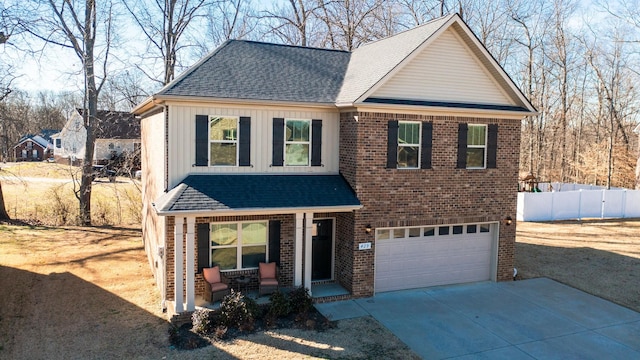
(322, 250)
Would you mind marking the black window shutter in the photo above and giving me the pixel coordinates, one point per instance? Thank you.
(278, 142)
(462, 146)
(244, 158)
(392, 144)
(316, 142)
(492, 146)
(204, 248)
(274, 241)
(202, 140)
(427, 143)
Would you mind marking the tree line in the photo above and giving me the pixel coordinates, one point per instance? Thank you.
(578, 65)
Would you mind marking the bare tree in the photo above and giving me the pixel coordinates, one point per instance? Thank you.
(164, 23)
(86, 28)
(294, 22)
(349, 23)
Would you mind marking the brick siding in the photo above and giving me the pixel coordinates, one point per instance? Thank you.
(441, 195)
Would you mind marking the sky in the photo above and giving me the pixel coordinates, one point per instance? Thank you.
(58, 69)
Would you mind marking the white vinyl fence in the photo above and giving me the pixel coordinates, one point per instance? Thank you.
(583, 202)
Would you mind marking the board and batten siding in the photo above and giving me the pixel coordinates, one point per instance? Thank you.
(153, 226)
(448, 71)
(182, 137)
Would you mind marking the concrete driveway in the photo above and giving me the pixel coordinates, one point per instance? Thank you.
(529, 319)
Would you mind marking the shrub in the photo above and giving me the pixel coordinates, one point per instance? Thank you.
(279, 305)
(238, 311)
(202, 321)
(300, 300)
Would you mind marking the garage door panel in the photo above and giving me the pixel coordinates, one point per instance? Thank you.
(433, 260)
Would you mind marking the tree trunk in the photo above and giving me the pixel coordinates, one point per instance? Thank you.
(3, 211)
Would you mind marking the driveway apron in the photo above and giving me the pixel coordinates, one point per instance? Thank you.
(529, 319)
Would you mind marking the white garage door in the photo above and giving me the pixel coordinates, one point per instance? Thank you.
(415, 257)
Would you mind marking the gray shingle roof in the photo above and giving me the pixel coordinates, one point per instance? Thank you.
(111, 124)
(204, 193)
(261, 71)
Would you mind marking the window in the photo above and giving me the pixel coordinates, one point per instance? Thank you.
(223, 139)
(457, 229)
(476, 146)
(443, 230)
(408, 145)
(472, 229)
(238, 245)
(297, 142)
(58, 143)
(383, 234)
(485, 228)
(414, 232)
(429, 231)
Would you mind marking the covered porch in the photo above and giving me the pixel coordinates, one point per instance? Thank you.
(301, 215)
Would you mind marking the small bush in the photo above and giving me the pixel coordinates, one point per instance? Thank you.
(238, 311)
(300, 300)
(202, 321)
(279, 305)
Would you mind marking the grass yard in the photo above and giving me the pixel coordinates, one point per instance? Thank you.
(44, 193)
(601, 257)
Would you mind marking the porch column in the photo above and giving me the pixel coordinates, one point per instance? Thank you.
(299, 225)
(178, 238)
(308, 229)
(191, 286)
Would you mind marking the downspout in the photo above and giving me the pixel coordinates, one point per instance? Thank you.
(163, 304)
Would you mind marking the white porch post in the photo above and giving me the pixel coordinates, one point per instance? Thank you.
(299, 225)
(308, 227)
(191, 286)
(178, 238)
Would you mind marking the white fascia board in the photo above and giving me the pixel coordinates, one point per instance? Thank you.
(257, 211)
(440, 111)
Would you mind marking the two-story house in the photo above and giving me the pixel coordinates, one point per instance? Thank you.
(393, 166)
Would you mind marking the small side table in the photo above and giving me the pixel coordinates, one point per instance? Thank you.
(243, 281)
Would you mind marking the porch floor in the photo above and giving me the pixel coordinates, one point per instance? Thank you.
(320, 292)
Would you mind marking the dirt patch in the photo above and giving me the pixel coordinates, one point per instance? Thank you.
(87, 293)
(601, 257)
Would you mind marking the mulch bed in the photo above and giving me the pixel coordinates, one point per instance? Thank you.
(185, 338)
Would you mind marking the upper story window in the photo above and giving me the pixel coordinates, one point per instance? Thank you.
(223, 138)
(476, 146)
(408, 145)
(223, 141)
(297, 142)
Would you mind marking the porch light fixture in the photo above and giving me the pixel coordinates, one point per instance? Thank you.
(508, 220)
(367, 229)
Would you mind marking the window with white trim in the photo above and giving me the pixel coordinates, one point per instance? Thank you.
(408, 144)
(240, 245)
(223, 141)
(476, 146)
(297, 142)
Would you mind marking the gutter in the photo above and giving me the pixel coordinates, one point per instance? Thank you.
(255, 211)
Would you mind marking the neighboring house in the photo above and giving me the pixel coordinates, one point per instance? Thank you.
(32, 148)
(394, 166)
(115, 131)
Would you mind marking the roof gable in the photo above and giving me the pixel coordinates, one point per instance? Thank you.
(445, 71)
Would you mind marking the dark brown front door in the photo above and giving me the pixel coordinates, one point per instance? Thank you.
(322, 250)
